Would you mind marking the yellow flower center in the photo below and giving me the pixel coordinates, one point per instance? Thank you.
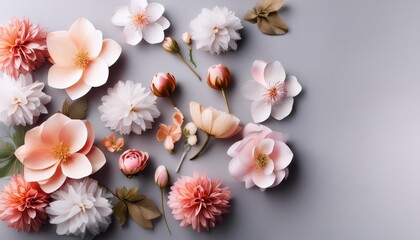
(140, 19)
(82, 207)
(61, 152)
(81, 60)
(16, 101)
(261, 161)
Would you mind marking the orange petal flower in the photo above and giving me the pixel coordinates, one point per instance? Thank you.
(112, 143)
(170, 134)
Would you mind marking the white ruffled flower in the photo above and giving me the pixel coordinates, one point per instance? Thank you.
(21, 100)
(128, 107)
(216, 30)
(80, 208)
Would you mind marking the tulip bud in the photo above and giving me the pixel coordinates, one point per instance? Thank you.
(132, 162)
(218, 77)
(186, 37)
(161, 176)
(170, 45)
(163, 84)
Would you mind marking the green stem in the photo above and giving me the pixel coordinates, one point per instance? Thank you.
(191, 56)
(172, 100)
(202, 147)
(226, 100)
(186, 63)
(163, 211)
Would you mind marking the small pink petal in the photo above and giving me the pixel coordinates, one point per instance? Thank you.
(253, 90)
(36, 158)
(164, 22)
(293, 86)
(77, 166)
(155, 11)
(97, 73)
(110, 52)
(269, 167)
(153, 33)
(260, 111)
(32, 175)
(93, 44)
(282, 109)
(280, 175)
(232, 149)
(51, 128)
(61, 48)
(78, 90)
(62, 77)
(74, 135)
(237, 169)
(121, 16)
(132, 35)
(274, 73)
(262, 180)
(97, 159)
(136, 5)
(266, 146)
(54, 182)
(258, 71)
(207, 120)
(168, 144)
(90, 138)
(281, 155)
(195, 112)
(79, 32)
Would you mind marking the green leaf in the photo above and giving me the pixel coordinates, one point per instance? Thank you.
(136, 213)
(149, 209)
(18, 136)
(6, 150)
(65, 109)
(10, 166)
(120, 212)
(75, 110)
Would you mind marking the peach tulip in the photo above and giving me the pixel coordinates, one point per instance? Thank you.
(58, 149)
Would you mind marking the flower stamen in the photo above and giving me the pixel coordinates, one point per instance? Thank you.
(261, 161)
(276, 93)
(81, 60)
(61, 152)
(141, 19)
(82, 207)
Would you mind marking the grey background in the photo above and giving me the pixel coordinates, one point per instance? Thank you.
(354, 129)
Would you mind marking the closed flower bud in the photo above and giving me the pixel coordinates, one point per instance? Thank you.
(186, 37)
(161, 176)
(170, 45)
(163, 84)
(133, 161)
(218, 77)
(192, 140)
(190, 128)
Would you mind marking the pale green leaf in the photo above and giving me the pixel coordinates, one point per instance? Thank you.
(78, 109)
(65, 109)
(120, 212)
(18, 136)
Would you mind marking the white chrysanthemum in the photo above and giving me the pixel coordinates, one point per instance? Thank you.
(216, 30)
(21, 100)
(80, 208)
(128, 107)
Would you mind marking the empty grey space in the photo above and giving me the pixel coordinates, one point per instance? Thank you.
(354, 129)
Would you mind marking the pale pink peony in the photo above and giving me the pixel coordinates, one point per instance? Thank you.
(23, 47)
(23, 204)
(81, 58)
(59, 148)
(261, 158)
(132, 162)
(198, 201)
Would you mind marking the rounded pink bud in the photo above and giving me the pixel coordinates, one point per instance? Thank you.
(163, 84)
(186, 37)
(218, 76)
(161, 176)
(170, 45)
(132, 162)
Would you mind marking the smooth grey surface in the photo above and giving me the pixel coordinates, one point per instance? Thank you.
(354, 128)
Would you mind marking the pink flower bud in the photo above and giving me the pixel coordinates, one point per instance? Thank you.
(186, 37)
(133, 162)
(163, 84)
(218, 77)
(170, 45)
(161, 176)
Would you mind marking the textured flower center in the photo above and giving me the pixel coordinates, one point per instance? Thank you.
(82, 207)
(261, 161)
(81, 60)
(200, 195)
(61, 152)
(276, 93)
(16, 101)
(141, 19)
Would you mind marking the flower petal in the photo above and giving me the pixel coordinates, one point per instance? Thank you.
(35, 158)
(258, 71)
(54, 182)
(262, 180)
(51, 128)
(78, 90)
(97, 73)
(61, 48)
(32, 175)
(164, 22)
(77, 166)
(260, 111)
(62, 77)
(274, 73)
(207, 120)
(73, 135)
(253, 90)
(90, 138)
(79, 32)
(237, 169)
(121, 16)
(280, 175)
(293, 86)
(168, 144)
(135, 5)
(132, 35)
(232, 149)
(153, 33)
(110, 52)
(269, 167)
(195, 112)
(266, 146)
(92, 44)
(155, 11)
(281, 155)
(97, 159)
(283, 109)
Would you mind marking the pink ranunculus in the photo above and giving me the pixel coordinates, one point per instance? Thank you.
(81, 58)
(59, 148)
(261, 158)
(133, 162)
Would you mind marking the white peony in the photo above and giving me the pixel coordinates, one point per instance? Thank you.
(21, 100)
(80, 208)
(128, 107)
(216, 30)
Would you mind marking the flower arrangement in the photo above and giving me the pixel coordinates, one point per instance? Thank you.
(52, 160)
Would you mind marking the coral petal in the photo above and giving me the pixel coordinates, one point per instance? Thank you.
(97, 73)
(77, 166)
(80, 30)
(78, 90)
(90, 138)
(96, 158)
(110, 52)
(51, 128)
(54, 182)
(61, 48)
(62, 77)
(32, 175)
(74, 135)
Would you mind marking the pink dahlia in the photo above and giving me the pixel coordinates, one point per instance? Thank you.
(23, 204)
(198, 201)
(23, 47)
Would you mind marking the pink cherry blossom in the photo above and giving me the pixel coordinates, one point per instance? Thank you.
(59, 148)
(81, 58)
(261, 158)
(271, 91)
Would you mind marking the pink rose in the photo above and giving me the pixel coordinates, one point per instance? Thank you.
(133, 161)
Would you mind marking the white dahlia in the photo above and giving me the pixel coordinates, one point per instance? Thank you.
(216, 30)
(21, 100)
(128, 107)
(81, 208)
